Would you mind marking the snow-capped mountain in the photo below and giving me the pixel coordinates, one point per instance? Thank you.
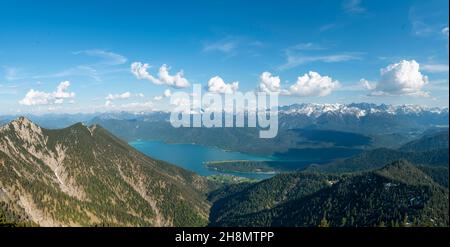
(358, 109)
(364, 118)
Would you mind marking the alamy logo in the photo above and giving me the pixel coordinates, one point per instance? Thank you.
(230, 110)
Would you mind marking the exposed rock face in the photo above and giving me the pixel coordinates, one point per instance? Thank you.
(86, 176)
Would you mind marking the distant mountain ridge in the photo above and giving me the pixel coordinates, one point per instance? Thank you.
(436, 140)
(369, 119)
(359, 109)
(312, 110)
(430, 150)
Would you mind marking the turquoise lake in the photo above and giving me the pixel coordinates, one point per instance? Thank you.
(193, 157)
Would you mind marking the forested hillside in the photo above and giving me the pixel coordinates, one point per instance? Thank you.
(84, 176)
(399, 194)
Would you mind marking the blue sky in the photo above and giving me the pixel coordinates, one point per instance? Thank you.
(77, 56)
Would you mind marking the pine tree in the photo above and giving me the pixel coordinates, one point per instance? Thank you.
(324, 222)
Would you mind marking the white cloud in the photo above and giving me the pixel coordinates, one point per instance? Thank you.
(367, 85)
(217, 85)
(222, 46)
(307, 47)
(108, 57)
(233, 45)
(353, 6)
(34, 97)
(435, 68)
(140, 70)
(61, 91)
(269, 83)
(294, 60)
(403, 78)
(81, 70)
(177, 80)
(125, 95)
(122, 96)
(302, 54)
(313, 84)
(445, 31)
(167, 93)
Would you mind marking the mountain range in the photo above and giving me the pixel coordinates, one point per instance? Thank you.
(83, 175)
(316, 113)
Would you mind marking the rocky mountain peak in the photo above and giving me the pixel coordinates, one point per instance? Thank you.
(23, 122)
(24, 129)
(71, 177)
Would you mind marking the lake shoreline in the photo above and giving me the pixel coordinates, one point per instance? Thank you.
(194, 156)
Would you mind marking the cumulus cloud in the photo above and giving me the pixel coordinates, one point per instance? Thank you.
(140, 70)
(125, 95)
(269, 83)
(313, 84)
(34, 97)
(167, 93)
(177, 80)
(217, 85)
(310, 84)
(403, 78)
(122, 96)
